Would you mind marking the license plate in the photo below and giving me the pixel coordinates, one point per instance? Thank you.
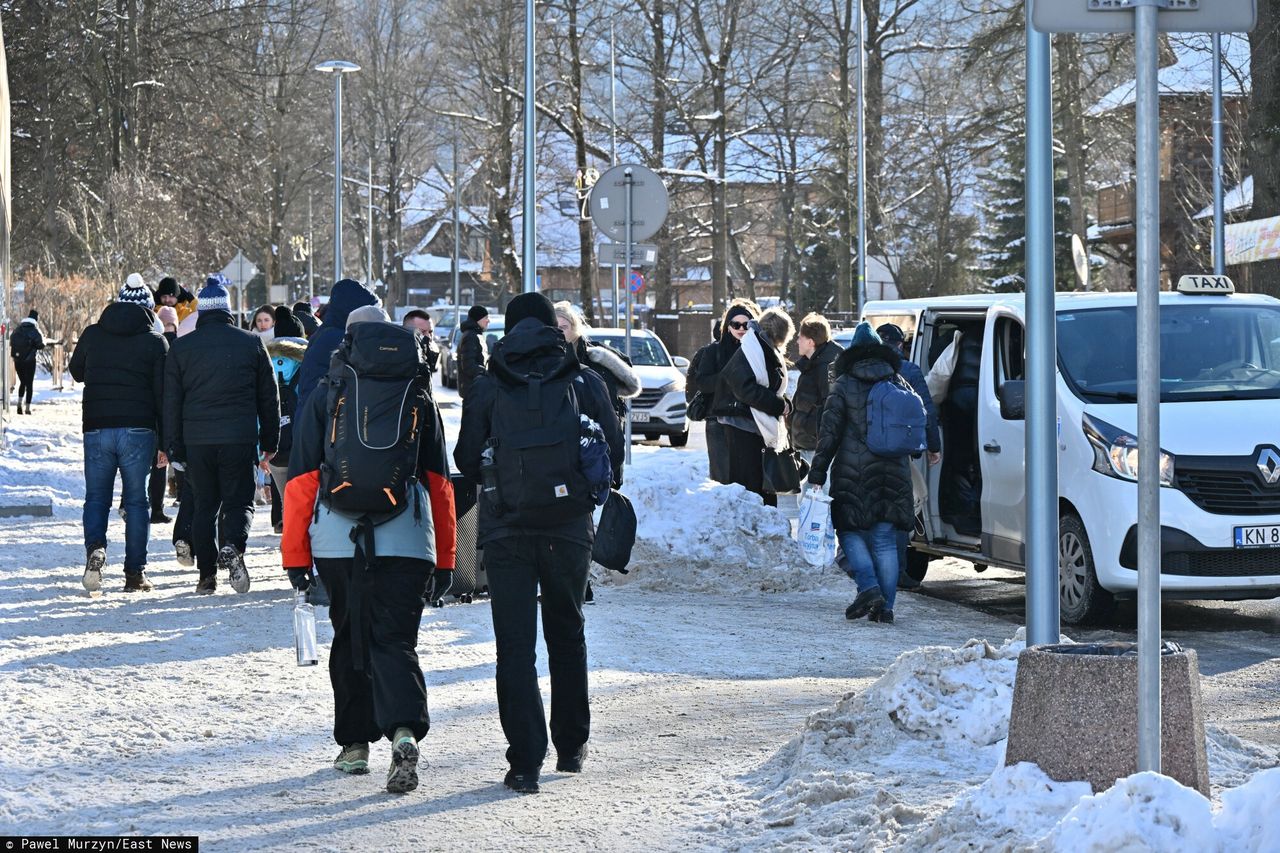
(639, 417)
(1258, 536)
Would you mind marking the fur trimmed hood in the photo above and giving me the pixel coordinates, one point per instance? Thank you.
(294, 348)
(602, 357)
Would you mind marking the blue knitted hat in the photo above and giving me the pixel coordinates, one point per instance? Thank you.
(213, 296)
(864, 335)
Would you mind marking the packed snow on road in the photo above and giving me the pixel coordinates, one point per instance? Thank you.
(733, 706)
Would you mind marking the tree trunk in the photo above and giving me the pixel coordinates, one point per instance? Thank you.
(586, 248)
(1263, 153)
(844, 191)
(662, 287)
(1074, 143)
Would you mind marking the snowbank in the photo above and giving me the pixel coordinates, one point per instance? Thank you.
(26, 474)
(915, 762)
(695, 535)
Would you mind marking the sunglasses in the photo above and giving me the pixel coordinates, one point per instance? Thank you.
(739, 325)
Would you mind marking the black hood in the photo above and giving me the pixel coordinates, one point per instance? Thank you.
(126, 319)
(869, 362)
(532, 347)
(470, 326)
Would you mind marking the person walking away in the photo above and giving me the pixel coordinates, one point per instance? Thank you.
(817, 354)
(287, 324)
(893, 336)
(24, 346)
(264, 322)
(286, 358)
(120, 359)
(751, 399)
(714, 356)
(346, 296)
(417, 320)
(286, 327)
(220, 407)
(870, 493)
(381, 533)
(302, 311)
(473, 354)
(523, 438)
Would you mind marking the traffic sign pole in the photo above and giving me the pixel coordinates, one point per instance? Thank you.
(628, 181)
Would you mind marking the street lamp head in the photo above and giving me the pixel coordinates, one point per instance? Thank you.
(337, 66)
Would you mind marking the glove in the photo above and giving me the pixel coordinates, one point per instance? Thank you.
(300, 578)
(817, 478)
(441, 583)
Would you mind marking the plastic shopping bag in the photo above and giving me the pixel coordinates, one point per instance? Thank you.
(816, 534)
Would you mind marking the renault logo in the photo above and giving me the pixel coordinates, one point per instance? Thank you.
(1269, 465)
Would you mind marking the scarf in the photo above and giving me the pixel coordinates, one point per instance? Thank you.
(772, 430)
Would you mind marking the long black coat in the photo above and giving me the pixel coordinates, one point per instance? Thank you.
(120, 360)
(473, 356)
(812, 389)
(866, 489)
(737, 391)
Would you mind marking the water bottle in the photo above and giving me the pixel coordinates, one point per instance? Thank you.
(489, 474)
(304, 631)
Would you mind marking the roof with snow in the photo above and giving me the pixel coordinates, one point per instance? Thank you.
(1238, 198)
(1192, 74)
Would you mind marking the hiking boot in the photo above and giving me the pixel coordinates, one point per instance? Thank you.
(403, 775)
(522, 783)
(185, 557)
(885, 617)
(278, 527)
(92, 579)
(160, 518)
(590, 597)
(137, 582)
(905, 581)
(572, 763)
(353, 759)
(206, 586)
(865, 602)
(232, 561)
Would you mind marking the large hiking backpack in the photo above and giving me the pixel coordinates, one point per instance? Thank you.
(895, 419)
(537, 438)
(378, 406)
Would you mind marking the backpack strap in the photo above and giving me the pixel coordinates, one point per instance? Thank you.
(365, 561)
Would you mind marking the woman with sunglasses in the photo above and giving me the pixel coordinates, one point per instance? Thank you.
(704, 375)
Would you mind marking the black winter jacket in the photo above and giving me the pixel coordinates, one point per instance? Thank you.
(473, 355)
(737, 391)
(347, 295)
(120, 360)
(220, 388)
(866, 489)
(25, 342)
(531, 347)
(812, 389)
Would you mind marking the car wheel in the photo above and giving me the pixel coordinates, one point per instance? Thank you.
(680, 439)
(650, 436)
(1082, 599)
(917, 564)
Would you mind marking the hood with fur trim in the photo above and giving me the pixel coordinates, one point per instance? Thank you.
(294, 348)
(602, 357)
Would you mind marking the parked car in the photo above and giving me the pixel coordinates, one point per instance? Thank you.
(1219, 452)
(449, 356)
(660, 408)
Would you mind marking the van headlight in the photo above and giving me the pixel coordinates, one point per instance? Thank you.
(1115, 452)
(673, 385)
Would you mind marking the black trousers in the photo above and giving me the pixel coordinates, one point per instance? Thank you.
(388, 691)
(26, 380)
(745, 452)
(717, 451)
(517, 566)
(155, 490)
(277, 507)
(186, 510)
(222, 482)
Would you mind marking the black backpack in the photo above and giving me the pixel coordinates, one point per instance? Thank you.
(536, 446)
(378, 405)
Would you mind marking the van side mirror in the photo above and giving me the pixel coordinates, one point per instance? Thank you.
(1013, 399)
(681, 363)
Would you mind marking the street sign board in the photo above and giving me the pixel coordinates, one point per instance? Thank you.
(1116, 16)
(642, 254)
(649, 203)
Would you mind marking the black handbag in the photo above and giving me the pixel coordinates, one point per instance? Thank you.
(615, 534)
(699, 407)
(784, 471)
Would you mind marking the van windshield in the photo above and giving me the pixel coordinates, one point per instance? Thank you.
(1208, 351)
(645, 351)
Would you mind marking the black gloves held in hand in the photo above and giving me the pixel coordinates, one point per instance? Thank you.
(440, 584)
(300, 578)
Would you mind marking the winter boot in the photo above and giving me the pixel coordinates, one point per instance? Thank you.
(590, 597)
(353, 759)
(137, 582)
(160, 518)
(232, 562)
(92, 579)
(206, 586)
(881, 615)
(522, 782)
(403, 775)
(572, 763)
(185, 557)
(866, 602)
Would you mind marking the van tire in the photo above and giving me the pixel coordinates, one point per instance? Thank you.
(679, 439)
(917, 564)
(1081, 598)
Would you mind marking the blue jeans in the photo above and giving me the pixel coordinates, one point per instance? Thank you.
(873, 559)
(131, 451)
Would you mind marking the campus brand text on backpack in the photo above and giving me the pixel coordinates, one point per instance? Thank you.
(895, 419)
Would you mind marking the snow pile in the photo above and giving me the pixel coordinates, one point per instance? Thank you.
(697, 535)
(26, 475)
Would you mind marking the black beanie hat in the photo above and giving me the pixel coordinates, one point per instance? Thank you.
(301, 308)
(533, 305)
(287, 325)
(477, 313)
(168, 287)
(33, 314)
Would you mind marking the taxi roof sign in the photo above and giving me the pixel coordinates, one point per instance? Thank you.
(1205, 284)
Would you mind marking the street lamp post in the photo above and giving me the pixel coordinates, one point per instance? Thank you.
(337, 67)
(529, 255)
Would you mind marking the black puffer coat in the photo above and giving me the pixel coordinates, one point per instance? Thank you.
(737, 391)
(812, 389)
(866, 489)
(120, 360)
(473, 356)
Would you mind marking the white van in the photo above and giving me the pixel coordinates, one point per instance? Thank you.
(1219, 429)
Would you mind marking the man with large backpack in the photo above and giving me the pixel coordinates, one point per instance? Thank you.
(540, 435)
(369, 501)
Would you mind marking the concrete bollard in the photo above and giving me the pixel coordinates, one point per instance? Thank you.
(1075, 714)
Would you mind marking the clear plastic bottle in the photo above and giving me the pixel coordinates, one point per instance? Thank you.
(304, 631)
(489, 474)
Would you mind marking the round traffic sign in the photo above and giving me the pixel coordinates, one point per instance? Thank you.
(649, 203)
(635, 281)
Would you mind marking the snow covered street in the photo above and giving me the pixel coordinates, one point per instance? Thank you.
(168, 713)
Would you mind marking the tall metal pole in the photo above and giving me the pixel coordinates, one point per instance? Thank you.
(1219, 212)
(457, 236)
(529, 253)
(613, 156)
(628, 183)
(1147, 221)
(337, 176)
(1042, 452)
(311, 270)
(369, 264)
(860, 288)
